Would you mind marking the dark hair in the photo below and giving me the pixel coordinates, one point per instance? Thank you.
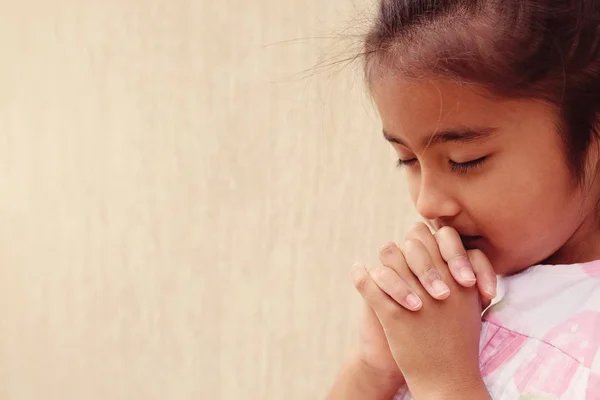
(540, 49)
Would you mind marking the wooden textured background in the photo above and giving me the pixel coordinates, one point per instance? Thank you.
(183, 192)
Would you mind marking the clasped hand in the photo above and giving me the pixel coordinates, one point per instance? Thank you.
(423, 312)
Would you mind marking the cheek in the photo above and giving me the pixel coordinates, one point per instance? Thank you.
(528, 219)
(523, 187)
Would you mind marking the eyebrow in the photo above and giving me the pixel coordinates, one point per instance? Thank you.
(464, 135)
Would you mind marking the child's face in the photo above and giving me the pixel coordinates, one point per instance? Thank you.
(495, 171)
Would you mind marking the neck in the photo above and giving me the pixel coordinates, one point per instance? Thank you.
(582, 246)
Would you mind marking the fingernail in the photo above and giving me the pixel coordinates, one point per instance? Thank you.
(467, 275)
(490, 289)
(413, 301)
(463, 265)
(440, 289)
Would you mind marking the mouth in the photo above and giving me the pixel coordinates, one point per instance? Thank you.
(471, 242)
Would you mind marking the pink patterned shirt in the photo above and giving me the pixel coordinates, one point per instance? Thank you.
(540, 341)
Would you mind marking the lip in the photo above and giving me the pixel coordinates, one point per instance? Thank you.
(471, 242)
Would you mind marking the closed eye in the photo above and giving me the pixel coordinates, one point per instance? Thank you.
(406, 163)
(463, 168)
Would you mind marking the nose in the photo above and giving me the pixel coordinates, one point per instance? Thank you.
(434, 199)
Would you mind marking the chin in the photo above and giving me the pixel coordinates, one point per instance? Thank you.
(505, 265)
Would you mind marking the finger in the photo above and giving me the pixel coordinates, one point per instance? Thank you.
(391, 256)
(421, 232)
(486, 276)
(390, 282)
(454, 254)
(381, 303)
(422, 265)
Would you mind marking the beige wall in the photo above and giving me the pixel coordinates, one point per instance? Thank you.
(179, 210)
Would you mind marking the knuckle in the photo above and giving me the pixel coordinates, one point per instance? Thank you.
(361, 282)
(387, 249)
(416, 230)
(400, 288)
(411, 245)
(426, 273)
(379, 273)
(429, 274)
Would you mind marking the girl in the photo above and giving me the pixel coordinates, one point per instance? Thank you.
(493, 107)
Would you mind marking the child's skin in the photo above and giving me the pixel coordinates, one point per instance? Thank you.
(506, 188)
(372, 372)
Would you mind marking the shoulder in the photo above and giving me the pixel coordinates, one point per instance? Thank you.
(546, 329)
(546, 296)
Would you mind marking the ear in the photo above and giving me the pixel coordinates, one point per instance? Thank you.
(593, 155)
(592, 160)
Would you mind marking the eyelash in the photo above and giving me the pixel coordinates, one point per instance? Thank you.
(460, 168)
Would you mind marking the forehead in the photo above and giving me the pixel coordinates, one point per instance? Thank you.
(411, 110)
(422, 106)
